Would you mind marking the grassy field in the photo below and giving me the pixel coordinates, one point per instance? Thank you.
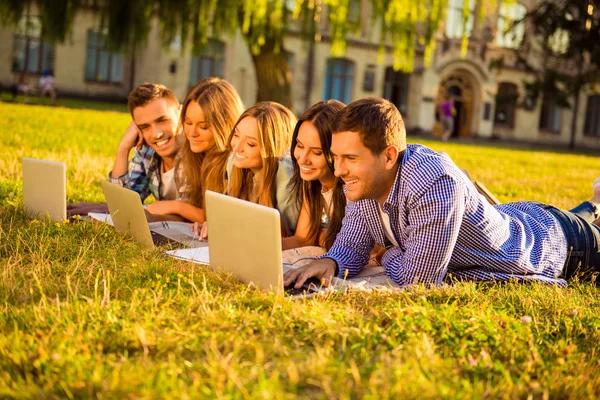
(87, 313)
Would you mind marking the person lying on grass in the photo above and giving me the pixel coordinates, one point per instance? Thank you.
(259, 168)
(153, 134)
(208, 115)
(428, 215)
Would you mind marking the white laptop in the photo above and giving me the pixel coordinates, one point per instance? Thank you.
(128, 216)
(45, 188)
(245, 240)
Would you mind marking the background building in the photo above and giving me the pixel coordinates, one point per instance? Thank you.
(490, 102)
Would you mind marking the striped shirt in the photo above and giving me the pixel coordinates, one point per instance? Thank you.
(445, 227)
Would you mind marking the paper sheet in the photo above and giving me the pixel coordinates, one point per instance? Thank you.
(198, 255)
(106, 218)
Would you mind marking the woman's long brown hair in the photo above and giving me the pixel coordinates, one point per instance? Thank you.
(322, 116)
(275, 125)
(222, 106)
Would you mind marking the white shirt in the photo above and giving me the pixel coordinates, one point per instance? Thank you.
(387, 228)
(47, 82)
(168, 190)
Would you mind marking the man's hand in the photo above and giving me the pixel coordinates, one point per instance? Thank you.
(324, 269)
(132, 138)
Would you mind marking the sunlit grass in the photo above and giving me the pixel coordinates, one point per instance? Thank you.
(85, 312)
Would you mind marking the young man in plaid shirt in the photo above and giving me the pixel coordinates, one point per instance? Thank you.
(432, 221)
(153, 133)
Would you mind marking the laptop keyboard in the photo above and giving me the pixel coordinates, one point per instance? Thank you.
(310, 286)
(160, 240)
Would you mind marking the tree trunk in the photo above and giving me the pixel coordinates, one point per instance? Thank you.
(574, 120)
(273, 75)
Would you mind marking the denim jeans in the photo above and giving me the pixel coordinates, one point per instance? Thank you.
(583, 240)
(586, 210)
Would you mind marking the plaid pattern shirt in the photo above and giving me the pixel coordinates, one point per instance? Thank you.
(143, 175)
(443, 226)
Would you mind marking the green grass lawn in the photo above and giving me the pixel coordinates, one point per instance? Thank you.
(86, 312)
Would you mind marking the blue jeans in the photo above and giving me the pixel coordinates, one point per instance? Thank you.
(586, 210)
(583, 240)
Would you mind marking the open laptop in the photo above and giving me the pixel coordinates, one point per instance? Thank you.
(245, 240)
(45, 188)
(128, 216)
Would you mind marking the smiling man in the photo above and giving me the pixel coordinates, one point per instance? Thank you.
(432, 221)
(153, 132)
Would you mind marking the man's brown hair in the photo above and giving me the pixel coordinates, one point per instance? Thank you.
(147, 92)
(377, 121)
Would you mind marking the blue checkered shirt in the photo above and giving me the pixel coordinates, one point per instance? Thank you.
(445, 227)
(143, 175)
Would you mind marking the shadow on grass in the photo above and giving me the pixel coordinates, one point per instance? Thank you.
(67, 103)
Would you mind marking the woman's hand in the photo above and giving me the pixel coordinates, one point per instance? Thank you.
(201, 230)
(164, 207)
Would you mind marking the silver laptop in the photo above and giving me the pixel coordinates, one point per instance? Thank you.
(245, 240)
(128, 216)
(45, 188)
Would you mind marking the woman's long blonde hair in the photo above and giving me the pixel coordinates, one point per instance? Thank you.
(221, 105)
(275, 126)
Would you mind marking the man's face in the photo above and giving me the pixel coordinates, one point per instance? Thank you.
(365, 175)
(158, 121)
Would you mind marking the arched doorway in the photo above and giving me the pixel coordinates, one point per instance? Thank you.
(458, 85)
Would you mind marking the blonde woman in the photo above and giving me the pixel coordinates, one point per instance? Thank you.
(208, 115)
(260, 166)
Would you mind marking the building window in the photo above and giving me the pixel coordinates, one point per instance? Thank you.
(396, 89)
(592, 117)
(550, 115)
(30, 53)
(369, 79)
(511, 28)
(102, 65)
(354, 11)
(506, 103)
(460, 18)
(208, 62)
(339, 78)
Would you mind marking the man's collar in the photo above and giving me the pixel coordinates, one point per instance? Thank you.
(394, 193)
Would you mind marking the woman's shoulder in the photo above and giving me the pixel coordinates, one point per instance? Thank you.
(285, 166)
